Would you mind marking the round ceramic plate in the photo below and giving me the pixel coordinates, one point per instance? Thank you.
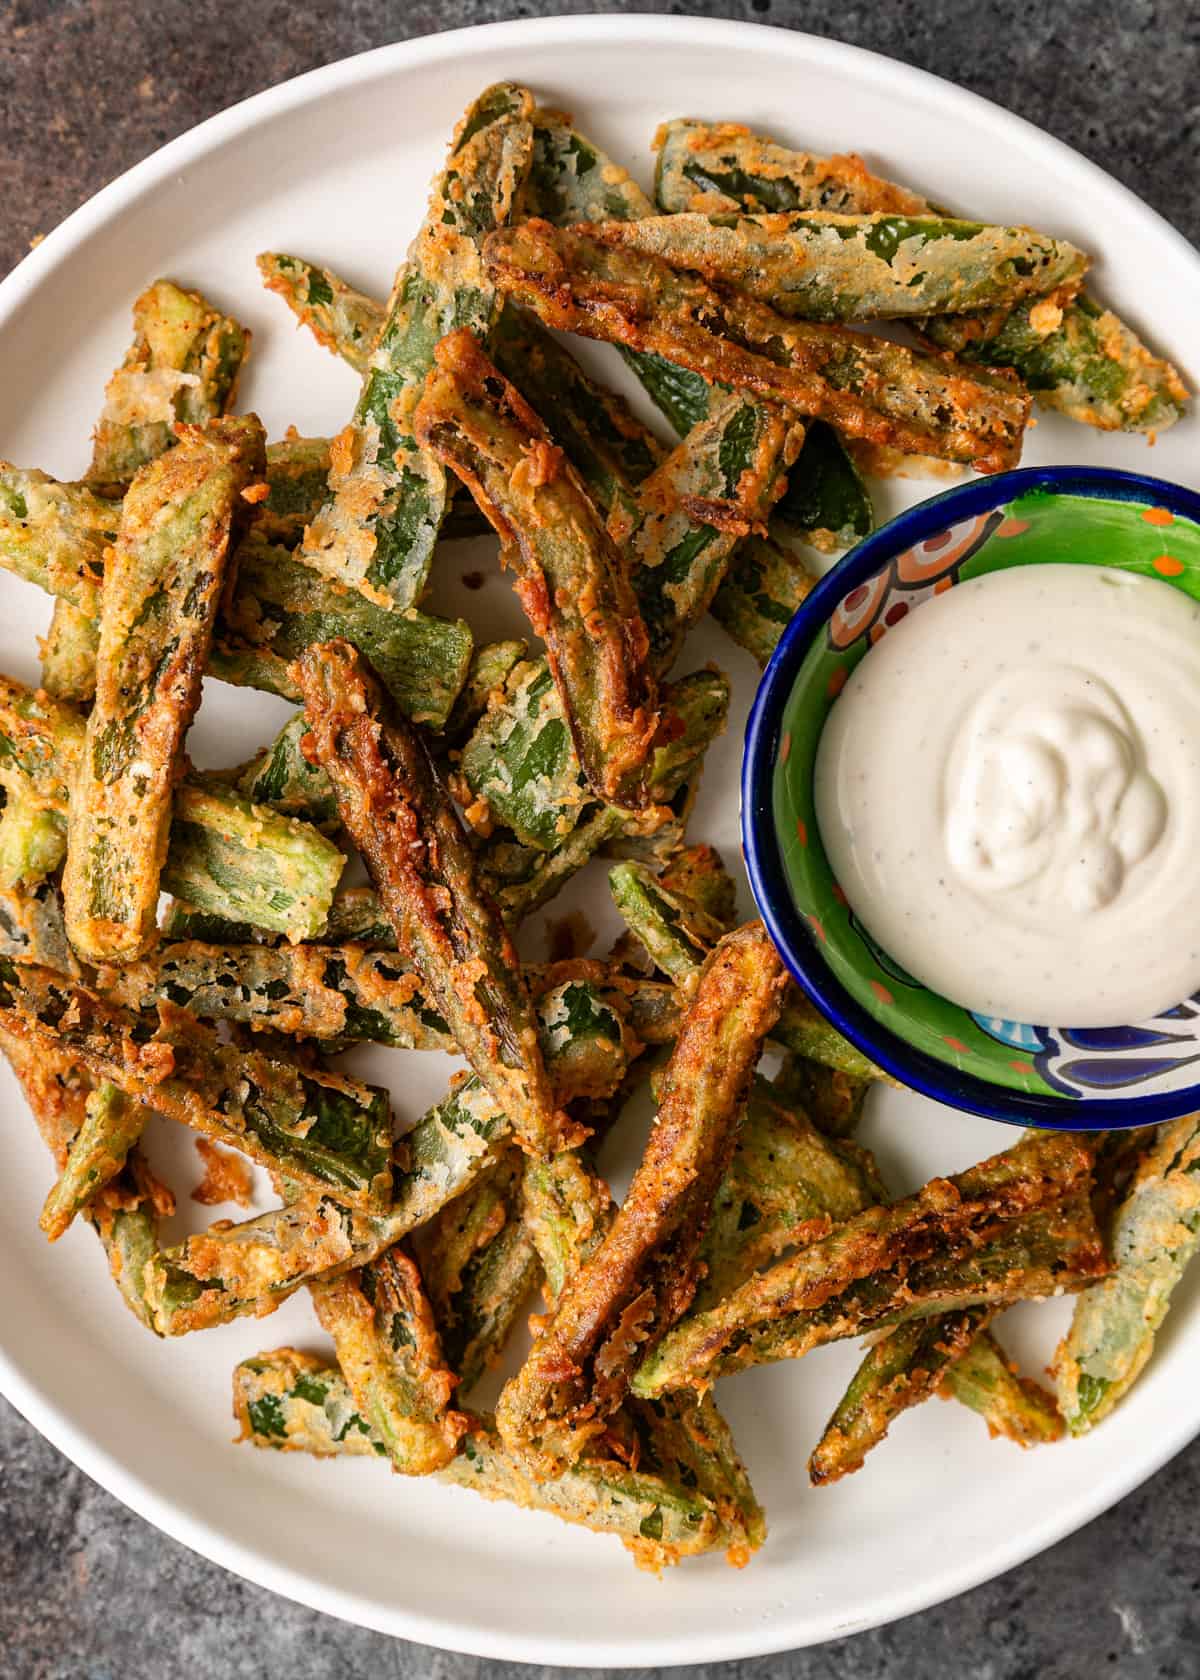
(336, 165)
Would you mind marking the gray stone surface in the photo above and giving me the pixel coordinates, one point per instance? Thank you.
(87, 87)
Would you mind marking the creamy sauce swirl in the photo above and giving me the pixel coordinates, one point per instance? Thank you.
(1008, 791)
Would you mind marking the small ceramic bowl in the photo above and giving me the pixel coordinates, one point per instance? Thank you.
(1076, 1079)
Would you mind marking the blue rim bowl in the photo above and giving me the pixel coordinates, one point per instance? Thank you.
(788, 926)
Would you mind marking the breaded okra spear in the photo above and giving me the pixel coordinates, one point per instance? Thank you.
(162, 585)
(1014, 1407)
(1073, 354)
(390, 1354)
(68, 653)
(571, 180)
(181, 368)
(522, 878)
(112, 1125)
(677, 531)
(320, 1128)
(1155, 1233)
(822, 267)
(292, 1402)
(898, 1372)
(642, 1277)
(125, 1212)
(280, 607)
(571, 580)
(479, 1267)
(396, 809)
(387, 496)
(868, 387)
(1017, 1226)
(339, 316)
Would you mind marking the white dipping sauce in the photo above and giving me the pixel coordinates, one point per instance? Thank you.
(1008, 792)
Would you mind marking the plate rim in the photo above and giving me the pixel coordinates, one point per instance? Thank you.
(808, 52)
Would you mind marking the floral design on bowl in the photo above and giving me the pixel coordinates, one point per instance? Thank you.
(1047, 1074)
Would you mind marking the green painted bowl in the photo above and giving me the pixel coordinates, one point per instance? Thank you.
(1027, 1073)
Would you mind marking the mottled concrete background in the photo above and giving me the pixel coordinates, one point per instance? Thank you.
(89, 1592)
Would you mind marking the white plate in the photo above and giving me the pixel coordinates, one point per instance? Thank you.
(336, 165)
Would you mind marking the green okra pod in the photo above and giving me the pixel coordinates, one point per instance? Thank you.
(610, 449)
(642, 1276)
(69, 650)
(678, 532)
(1155, 1233)
(292, 1402)
(826, 267)
(389, 1352)
(760, 594)
(125, 1212)
(344, 320)
(1018, 1225)
(496, 1289)
(714, 167)
(181, 369)
(869, 388)
(281, 607)
(32, 928)
(676, 934)
(697, 874)
(234, 859)
(783, 1177)
(350, 994)
(571, 580)
(479, 1266)
(571, 180)
(340, 992)
(520, 765)
(387, 494)
(32, 839)
(162, 585)
(896, 1373)
(112, 1125)
(567, 1214)
(1012, 1406)
(396, 808)
(528, 879)
(710, 493)
(1076, 356)
(320, 1128)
